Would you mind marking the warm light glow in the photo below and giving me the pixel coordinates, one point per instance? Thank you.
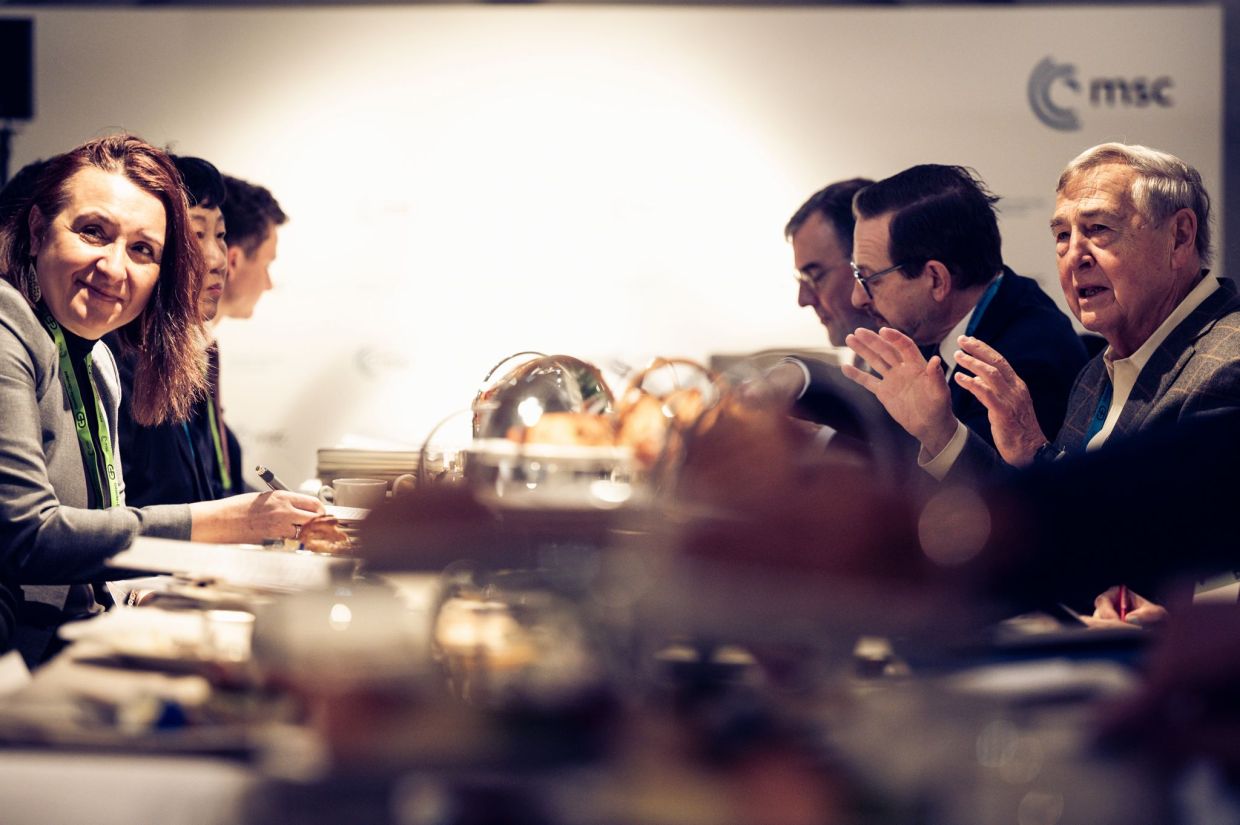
(341, 617)
(610, 493)
(530, 411)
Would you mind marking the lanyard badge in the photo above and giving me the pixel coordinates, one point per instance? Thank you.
(105, 477)
(217, 442)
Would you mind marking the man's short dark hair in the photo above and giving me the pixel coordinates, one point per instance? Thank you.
(835, 204)
(942, 213)
(204, 185)
(249, 213)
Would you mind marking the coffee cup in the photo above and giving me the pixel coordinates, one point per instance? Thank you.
(367, 493)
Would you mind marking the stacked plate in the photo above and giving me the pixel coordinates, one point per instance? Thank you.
(342, 462)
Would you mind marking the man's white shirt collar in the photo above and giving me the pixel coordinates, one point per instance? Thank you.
(948, 346)
(1124, 371)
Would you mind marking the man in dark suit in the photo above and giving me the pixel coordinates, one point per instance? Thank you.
(927, 262)
(821, 235)
(1131, 228)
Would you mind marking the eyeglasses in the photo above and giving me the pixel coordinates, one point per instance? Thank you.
(865, 280)
(809, 281)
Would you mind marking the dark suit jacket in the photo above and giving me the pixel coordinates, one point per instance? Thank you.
(173, 463)
(8, 617)
(1197, 369)
(1171, 488)
(1021, 322)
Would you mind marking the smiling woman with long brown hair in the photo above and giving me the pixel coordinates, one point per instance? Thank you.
(102, 244)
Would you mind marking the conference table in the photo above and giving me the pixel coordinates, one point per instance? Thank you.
(431, 699)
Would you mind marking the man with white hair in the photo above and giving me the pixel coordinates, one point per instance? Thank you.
(1132, 235)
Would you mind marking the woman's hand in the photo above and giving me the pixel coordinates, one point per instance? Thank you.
(252, 517)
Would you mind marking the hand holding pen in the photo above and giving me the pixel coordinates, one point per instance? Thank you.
(252, 518)
(273, 481)
(270, 478)
(1121, 606)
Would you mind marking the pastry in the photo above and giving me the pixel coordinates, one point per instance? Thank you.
(323, 534)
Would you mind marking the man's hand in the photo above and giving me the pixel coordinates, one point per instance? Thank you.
(1138, 610)
(910, 388)
(1013, 422)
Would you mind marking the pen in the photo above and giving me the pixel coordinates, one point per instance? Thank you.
(1123, 602)
(269, 477)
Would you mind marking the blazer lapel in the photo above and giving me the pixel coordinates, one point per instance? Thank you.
(1169, 360)
(1082, 403)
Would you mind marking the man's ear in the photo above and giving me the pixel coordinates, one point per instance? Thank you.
(235, 254)
(37, 226)
(1183, 237)
(940, 279)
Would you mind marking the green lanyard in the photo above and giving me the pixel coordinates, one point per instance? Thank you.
(225, 476)
(109, 492)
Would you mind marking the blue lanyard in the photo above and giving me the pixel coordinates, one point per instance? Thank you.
(980, 309)
(189, 439)
(1100, 413)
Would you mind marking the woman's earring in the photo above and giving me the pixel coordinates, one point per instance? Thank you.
(32, 283)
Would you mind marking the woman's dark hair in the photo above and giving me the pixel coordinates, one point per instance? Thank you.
(204, 185)
(17, 191)
(167, 334)
(942, 213)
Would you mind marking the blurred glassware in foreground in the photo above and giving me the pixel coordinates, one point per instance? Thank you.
(537, 387)
(549, 434)
(544, 436)
(516, 648)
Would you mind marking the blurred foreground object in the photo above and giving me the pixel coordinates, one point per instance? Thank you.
(1186, 712)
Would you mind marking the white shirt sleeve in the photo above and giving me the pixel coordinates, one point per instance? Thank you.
(939, 465)
(804, 371)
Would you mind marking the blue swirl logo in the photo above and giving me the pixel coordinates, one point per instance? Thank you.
(1044, 77)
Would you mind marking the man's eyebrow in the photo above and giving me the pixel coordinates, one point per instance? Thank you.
(1094, 212)
(1086, 214)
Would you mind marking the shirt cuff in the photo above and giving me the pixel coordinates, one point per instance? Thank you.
(940, 465)
(823, 436)
(804, 371)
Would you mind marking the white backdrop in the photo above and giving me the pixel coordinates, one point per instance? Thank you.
(609, 182)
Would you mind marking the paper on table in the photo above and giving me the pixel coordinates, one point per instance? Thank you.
(346, 513)
(241, 564)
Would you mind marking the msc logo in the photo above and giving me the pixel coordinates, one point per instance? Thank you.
(1137, 92)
